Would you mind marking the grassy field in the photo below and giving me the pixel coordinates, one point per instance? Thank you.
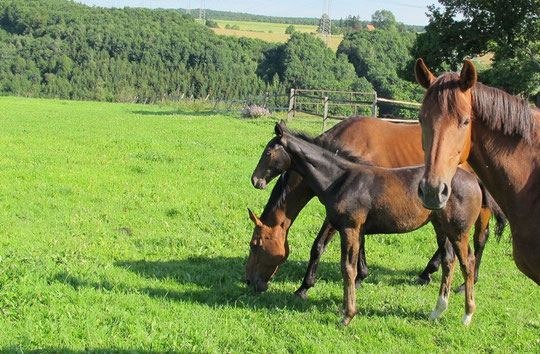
(270, 32)
(124, 228)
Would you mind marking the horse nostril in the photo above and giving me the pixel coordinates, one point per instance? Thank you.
(444, 192)
(420, 189)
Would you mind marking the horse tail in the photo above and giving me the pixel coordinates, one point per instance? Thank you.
(500, 218)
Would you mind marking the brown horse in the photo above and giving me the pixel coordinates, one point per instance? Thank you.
(362, 199)
(499, 135)
(378, 142)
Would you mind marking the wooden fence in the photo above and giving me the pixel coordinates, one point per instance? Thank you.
(320, 99)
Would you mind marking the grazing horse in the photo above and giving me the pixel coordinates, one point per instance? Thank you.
(499, 135)
(362, 199)
(376, 141)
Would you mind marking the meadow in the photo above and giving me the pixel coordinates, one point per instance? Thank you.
(124, 227)
(270, 32)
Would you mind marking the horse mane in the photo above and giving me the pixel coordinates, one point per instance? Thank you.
(325, 141)
(280, 190)
(498, 110)
(335, 147)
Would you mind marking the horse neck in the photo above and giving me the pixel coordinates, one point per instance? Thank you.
(319, 167)
(293, 195)
(505, 164)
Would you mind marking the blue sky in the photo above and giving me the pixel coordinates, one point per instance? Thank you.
(407, 11)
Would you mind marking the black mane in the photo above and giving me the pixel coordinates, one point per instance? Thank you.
(333, 146)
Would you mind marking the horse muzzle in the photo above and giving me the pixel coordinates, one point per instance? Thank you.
(434, 196)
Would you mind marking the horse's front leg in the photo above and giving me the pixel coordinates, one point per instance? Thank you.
(325, 235)
(481, 235)
(466, 260)
(448, 258)
(349, 257)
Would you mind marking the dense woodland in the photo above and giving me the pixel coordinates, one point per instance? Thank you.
(62, 49)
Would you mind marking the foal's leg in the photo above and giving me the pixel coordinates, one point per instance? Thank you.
(448, 258)
(480, 237)
(349, 257)
(466, 260)
(363, 271)
(433, 265)
(325, 235)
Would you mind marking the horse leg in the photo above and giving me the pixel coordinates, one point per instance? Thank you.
(433, 265)
(349, 257)
(324, 236)
(480, 237)
(363, 271)
(466, 261)
(448, 258)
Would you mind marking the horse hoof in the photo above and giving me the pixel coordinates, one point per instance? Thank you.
(345, 321)
(301, 293)
(434, 315)
(466, 320)
(460, 290)
(358, 284)
(422, 281)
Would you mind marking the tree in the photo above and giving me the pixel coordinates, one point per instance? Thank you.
(383, 19)
(475, 27)
(290, 29)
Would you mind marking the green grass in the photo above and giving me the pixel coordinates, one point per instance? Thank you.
(124, 227)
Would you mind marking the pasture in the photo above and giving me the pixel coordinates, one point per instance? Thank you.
(270, 32)
(124, 227)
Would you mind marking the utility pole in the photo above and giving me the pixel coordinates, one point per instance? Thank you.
(202, 11)
(326, 21)
(188, 9)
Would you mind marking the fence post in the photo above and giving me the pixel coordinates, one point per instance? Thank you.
(230, 106)
(374, 106)
(325, 114)
(291, 105)
(216, 105)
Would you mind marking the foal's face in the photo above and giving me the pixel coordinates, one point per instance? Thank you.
(273, 162)
(445, 117)
(268, 250)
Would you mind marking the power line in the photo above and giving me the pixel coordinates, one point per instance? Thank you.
(202, 11)
(325, 27)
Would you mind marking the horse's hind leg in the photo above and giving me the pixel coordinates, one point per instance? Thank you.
(466, 261)
(349, 257)
(363, 271)
(325, 235)
(480, 237)
(448, 258)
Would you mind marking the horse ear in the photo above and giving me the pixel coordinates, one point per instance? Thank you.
(423, 76)
(468, 76)
(254, 218)
(278, 130)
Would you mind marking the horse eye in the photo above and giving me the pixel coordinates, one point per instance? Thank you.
(465, 122)
(268, 153)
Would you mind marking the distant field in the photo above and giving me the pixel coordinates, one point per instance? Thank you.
(270, 32)
(124, 228)
(266, 26)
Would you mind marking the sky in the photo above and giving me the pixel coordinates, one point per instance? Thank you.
(411, 12)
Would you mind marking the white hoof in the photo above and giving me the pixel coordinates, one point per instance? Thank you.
(466, 320)
(442, 305)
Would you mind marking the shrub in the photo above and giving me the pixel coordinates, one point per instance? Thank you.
(255, 111)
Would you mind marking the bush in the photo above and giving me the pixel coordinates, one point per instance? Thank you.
(255, 111)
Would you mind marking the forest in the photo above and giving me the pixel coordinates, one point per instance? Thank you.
(63, 49)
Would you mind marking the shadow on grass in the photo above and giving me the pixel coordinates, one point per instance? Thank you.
(221, 280)
(175, 112)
